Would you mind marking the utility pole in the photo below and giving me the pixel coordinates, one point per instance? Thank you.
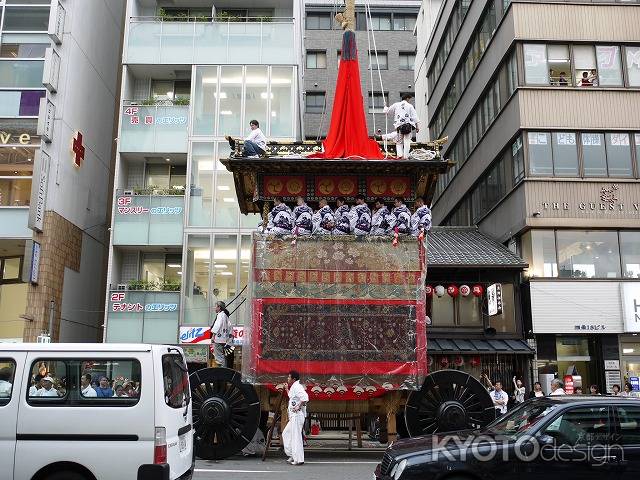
(52, 308)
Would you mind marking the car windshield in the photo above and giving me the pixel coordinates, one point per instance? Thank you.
(521, 419)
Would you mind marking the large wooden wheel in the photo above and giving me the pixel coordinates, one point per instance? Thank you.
(449, 400)
(226, 412)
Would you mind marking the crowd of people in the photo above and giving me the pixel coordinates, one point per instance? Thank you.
(358, 219)
(502, 400)
(100, 387)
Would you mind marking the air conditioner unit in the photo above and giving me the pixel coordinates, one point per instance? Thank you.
(127, 193)
(122, 286)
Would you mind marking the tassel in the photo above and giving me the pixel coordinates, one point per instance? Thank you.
(295, 237)
(421, 235)
(395, 237)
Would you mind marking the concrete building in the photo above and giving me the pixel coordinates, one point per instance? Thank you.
(58, 88)
(393, 28)
(191, 75)
(541, 105)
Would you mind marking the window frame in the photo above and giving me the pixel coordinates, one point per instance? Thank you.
(4, 401)
(11, 281)
(314, 54)
(81, 401)
(617, 423)
(314, 107)
(610, 418)
(372, 58)
(319, 16)
(184, 371)
(406, 55)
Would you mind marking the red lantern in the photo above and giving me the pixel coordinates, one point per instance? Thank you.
(474, 362)
(477, 290)
(444, 362)
(458, 361)
(465, 290)
(452, 290)
(428, 290)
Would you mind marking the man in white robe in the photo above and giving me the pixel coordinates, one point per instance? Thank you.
(421, 219)
(360, 217)
(401, 217)
(341, 218)
(280, 220)
(405, 120)
(323, 220)
(302, 214)
(380, 221)
(292, 433)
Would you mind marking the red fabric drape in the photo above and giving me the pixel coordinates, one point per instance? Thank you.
(348, 136)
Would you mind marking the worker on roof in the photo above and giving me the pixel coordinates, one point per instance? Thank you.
(405, 121)
(255, 145)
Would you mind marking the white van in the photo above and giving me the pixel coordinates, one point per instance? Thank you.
(94, 412)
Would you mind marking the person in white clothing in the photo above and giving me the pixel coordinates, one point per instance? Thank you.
(292, 433)
(220, 333)
(85, 386)
(37, 385)
(5, 383)
(254, 145)
(556, 388)
(518, 390)
(405, 121)
(500, 399)
(47, 389)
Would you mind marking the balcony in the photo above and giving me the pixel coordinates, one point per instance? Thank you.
(143, 316)
(154, 129)
(264, 41)
(152, 219)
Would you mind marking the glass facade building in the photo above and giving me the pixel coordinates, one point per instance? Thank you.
(179, 242)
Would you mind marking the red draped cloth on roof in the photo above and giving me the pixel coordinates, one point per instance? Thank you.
(348, 136)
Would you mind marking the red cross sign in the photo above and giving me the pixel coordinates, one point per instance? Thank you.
(78, 150)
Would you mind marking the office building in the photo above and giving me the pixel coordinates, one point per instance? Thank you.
(192, 75)
(541, 105)
(59, 64)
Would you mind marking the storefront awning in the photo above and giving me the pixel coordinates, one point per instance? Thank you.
(477, 347)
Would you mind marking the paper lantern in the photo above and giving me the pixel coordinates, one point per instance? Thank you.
(428, 290)
(465, 290)
(440, 290)
(474, 362)
(477, 290)
(444, 362)
(429, 360)
(458, 361)
(452, 290)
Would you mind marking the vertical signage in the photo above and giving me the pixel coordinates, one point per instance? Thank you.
(494, 299)
(31, 264)
(39, 191)
(631, 306)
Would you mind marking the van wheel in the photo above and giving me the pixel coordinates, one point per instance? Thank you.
(65, 475)
(226, 412)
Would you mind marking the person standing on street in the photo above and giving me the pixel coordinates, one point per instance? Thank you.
(518, 391)
(292, 433)
(556, 388)
(220, 333)
(500, 399)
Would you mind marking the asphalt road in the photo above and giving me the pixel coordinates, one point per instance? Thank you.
(318, 466)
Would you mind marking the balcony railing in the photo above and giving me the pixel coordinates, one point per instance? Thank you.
(148, 219)
(154, 128)
(143, 317)
(154, 40)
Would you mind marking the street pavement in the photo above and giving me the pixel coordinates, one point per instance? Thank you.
(319, 465)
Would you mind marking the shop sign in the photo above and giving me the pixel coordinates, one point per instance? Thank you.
(635, 383)
(582, 327)
(631, 306)
(568, 384)
(195, 335)
(125, 208)
(609, 199)
(118, 304)
(135, 119)
(612, 364)
(196, 353)
(612, 378)
(494, 299)
(7, 138)
(238, 335)
(39, 193)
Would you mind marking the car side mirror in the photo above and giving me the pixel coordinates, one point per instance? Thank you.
(545, 439)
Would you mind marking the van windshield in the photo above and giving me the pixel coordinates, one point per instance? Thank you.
(176, 381)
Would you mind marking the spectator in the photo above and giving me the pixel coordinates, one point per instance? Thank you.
(120, 392)
(500, 399)
(577, 391)
(5, 383)
(556, 388)
(518, 392)
(104, 390)
(47, 389)
(593, 390)
(537, 390)
(37, 385)
(627, 390)
(593, 77)
(585, 82)
(562, 81)
(616, 390)
(85, 386)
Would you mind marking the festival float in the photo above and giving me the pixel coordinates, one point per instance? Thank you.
(347, 312)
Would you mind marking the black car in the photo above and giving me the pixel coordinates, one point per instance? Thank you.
(581, 437)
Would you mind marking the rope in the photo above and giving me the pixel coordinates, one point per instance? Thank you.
(369, 30)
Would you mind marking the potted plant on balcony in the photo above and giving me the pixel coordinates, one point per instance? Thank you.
(171, 285)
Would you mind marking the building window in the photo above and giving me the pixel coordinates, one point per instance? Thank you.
(506, 321)
(584, 58)
(517, 155)
(170, 90)
(381, 21)
(630, 252)
(609, 65)
(381, 60)
(619, 155)
(8, 369)
(10, 269)
(377, 101)
(512, 73)
(535, 64)
(318, 21)
(23, 50)
(540, 160)
(315, 102)
(407, 61)
(27, 19)
(565, 154)
(633, 65)
(594, 155)
(21, 73)
(316, 59)
(539, 251)
(197, 292)
(588, 254)
(404, 22)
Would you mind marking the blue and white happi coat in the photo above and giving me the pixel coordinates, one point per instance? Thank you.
(280, 221)
(343, 223)
(360, 217)
(323, 221)
(381, 223)
(401, 218)
(302, 218)
(421, 220)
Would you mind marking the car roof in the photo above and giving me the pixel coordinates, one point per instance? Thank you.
(586, 399)
(76, 347)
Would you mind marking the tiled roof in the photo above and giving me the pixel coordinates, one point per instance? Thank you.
(466, 246)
